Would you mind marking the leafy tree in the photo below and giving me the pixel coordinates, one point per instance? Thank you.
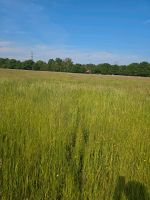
(78, 68)
(40, 65)
(51, 64)
(3, 62)
(66, 65)
(27, 64)
(58, 64)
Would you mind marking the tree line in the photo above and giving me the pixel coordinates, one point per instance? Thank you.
(66, 65)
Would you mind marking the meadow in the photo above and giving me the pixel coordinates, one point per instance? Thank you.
(74, 136)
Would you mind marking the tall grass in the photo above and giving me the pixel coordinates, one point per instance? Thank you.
(69, 137)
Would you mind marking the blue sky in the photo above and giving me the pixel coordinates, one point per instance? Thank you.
(88, 31)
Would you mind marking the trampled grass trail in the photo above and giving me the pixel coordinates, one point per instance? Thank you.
(72, 137)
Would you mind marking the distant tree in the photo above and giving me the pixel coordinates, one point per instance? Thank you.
(105, 68)
(10, 63)
(37, 65)
(89, 68)
(67, 65)
(51, 64)
(27, 64)
(2, 62)
(58, 64)
(144, 69)
(78, 68)
(14, 64)
(41, 65)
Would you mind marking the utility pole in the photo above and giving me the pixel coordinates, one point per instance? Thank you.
(32, 55)
(32, 58)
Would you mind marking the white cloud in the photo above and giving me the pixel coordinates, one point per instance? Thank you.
(4, 43)
(83, 55)
(11, 50)
(44, 52)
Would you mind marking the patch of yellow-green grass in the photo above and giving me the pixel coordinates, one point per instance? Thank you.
(73, 136)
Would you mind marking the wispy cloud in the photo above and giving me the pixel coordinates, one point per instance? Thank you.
(147, 21)
(45, 52)
(31, 22)
(4, 43)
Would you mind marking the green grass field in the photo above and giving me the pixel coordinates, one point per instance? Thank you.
(73, 137)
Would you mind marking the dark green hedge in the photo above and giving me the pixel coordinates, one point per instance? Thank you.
(66, 65)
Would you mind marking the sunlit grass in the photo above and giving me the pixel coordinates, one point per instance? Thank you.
(69, 136)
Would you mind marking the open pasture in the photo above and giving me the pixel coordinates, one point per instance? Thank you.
(74, 136)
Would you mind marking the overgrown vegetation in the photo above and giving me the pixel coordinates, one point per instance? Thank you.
(73, 136)
(66, 65)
